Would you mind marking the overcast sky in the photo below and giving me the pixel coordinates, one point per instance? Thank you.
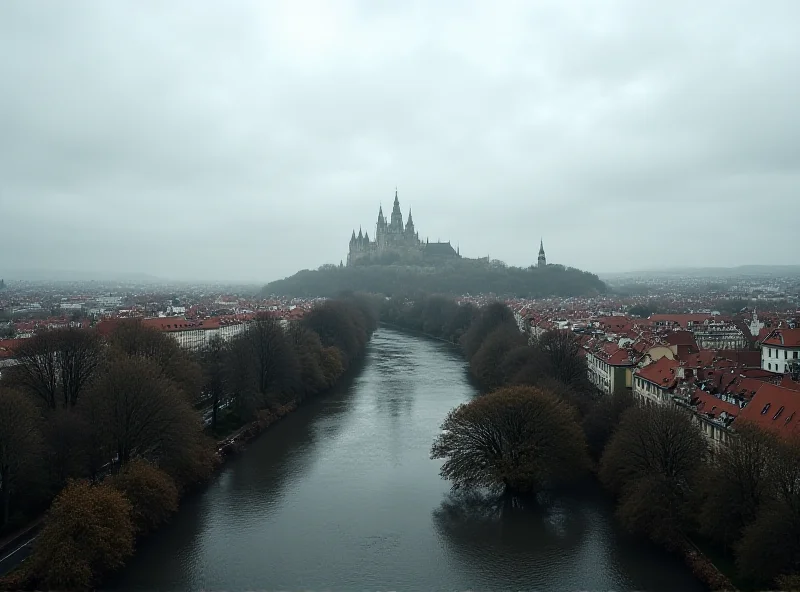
(246, 140)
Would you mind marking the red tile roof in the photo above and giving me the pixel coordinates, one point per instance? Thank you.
(661, 372)
(708, 404)
(781, 337)
(774, 408)
(679, 319)
(682, 338)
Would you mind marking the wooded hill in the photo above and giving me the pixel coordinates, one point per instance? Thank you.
(455, 278)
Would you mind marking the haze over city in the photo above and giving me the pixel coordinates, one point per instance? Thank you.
(246, 140)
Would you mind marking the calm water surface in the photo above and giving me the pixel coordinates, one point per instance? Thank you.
(342, 495)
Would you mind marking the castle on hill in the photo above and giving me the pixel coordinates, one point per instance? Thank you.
(396, 243)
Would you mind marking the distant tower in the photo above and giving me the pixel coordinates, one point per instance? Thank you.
(542, 258)
(410, 225)
(396, 225)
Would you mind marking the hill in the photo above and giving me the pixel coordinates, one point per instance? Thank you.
(455, 278)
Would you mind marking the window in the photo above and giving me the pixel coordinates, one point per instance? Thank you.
(769, 366)
(785, 354)
(794, 355)
(778, 413)
(765, 409)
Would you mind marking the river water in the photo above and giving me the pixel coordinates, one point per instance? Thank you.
(342, 495)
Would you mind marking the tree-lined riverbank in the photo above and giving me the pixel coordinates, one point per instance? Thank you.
(341, 495)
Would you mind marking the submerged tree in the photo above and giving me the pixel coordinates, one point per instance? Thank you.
(518, 438)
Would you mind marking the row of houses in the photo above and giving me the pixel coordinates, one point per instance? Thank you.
(666, 359)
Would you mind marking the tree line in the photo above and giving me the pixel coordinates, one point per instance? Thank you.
(542, 425)
(107, 430)
(455, 277)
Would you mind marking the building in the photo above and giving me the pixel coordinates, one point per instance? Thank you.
(655, 382)
(396, 242)
(780, 351)
(710, 331)
(610, 368)
(542, 261)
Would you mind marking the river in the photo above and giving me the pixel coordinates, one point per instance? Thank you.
(342, 495)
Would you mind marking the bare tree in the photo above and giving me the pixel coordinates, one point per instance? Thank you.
(132, 405)
(213, 360)
(57, 366)
(561, 351)
(735, 483)
(488, 319)
(487, 364)
(277, 368)
(134, 339)
(770, 544)
(517, 438)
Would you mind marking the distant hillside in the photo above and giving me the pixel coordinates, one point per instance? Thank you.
(717, 272)
(455, 278)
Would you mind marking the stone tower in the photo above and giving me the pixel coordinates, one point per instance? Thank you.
(542, 259)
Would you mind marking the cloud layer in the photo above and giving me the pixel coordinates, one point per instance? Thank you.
(245, 140)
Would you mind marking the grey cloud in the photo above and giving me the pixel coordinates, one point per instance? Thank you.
(246, 140)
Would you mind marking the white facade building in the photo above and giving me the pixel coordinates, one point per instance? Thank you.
(780, 351)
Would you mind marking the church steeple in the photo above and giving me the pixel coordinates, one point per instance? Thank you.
(542, 262)
(410, 224)
(396, 225)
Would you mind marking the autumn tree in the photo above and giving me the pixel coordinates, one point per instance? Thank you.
(20, 443)
(87, 532)
(652, 461)
(308, 351)
(516, 438)
(735, 483)
(151, 492)
(57, 366)
(332, 364)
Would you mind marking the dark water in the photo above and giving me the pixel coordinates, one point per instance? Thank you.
(341, 495)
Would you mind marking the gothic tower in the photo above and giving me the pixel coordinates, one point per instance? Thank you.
(410, 225)
(396, 225)
(542, 258)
